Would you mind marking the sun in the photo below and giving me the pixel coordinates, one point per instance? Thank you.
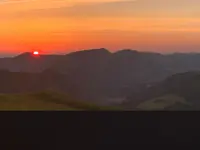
(36, 53)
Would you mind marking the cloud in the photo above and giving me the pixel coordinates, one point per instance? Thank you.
(88, 10)
(130, 8)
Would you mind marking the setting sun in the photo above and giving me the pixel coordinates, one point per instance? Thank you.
(35, 53)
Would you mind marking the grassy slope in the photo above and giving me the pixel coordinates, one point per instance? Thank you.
(161, 103)
(45, 101)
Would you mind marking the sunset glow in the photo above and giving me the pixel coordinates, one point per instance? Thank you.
(67, 25)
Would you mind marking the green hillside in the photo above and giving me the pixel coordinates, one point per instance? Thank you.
(163, 102)
(45, 101)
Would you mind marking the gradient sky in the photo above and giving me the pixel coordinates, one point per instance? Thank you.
(67, 25)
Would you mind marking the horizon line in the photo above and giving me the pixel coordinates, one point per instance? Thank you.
(6, 55)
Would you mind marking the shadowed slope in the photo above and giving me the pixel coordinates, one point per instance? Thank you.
(180, 91)
(45, 101)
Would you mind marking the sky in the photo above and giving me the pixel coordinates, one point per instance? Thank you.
(62, 26)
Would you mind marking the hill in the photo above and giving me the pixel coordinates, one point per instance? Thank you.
(178, 92)
(26, 62)
(46, 101)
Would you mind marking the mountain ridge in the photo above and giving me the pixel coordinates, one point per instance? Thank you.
(98, 74)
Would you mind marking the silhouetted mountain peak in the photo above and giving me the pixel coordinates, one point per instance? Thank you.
(97, 50)
(23, 55)
(127, 51)
(92, 52)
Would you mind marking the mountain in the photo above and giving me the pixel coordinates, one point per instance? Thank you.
(100, 74)
(97, 74)
(26, 62)
(85, 70)
(177, 92)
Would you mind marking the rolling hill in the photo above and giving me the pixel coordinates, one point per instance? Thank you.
(177, 92)
(46, 101)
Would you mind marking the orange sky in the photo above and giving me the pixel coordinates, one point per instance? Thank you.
(68, 25)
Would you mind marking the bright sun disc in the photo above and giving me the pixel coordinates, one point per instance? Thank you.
(35, 53)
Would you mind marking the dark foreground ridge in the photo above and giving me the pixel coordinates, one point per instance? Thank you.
(47, 100)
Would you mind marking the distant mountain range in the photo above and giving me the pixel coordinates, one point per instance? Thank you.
(94, 75)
